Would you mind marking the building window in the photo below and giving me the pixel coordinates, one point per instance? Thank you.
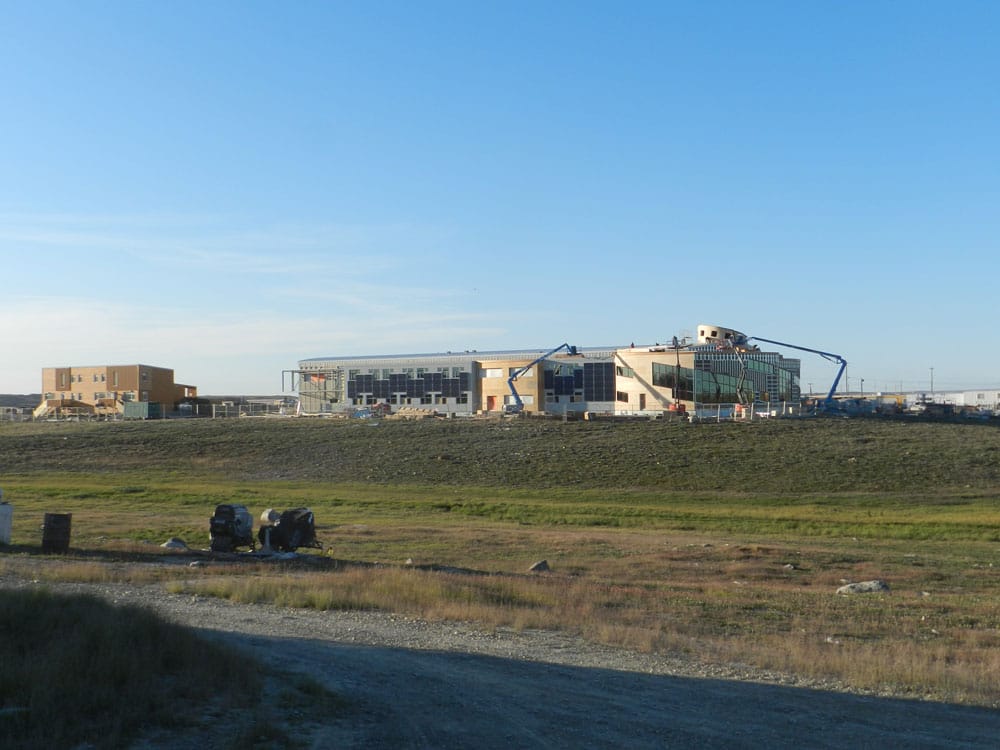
(493, 372)
(526, 400)
(621, 396)
(679, 379)
(624, 371)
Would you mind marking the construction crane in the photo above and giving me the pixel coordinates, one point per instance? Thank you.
(518, 406)
(828, 401)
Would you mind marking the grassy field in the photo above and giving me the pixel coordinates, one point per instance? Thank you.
(80, 672)
(721, 541)
(68, 660)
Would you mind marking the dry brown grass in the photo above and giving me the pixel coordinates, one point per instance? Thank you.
(936, 635)
(765, 605)
(722, 542)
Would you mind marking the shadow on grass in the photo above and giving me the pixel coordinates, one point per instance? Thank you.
(77, 669)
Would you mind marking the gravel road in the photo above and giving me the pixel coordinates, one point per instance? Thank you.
(414, 684)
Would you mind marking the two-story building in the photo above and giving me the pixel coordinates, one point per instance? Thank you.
(716, 369)
(105, 390)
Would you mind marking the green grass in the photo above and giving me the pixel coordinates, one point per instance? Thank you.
(78, 670)
(722, 541)
(779, 456)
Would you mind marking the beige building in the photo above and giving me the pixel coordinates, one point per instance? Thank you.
(105, 389)
(718, 374)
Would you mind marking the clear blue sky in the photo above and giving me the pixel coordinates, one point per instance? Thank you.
(226, 188)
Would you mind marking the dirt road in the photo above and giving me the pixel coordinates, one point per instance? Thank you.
(413, 684)
(426, 699)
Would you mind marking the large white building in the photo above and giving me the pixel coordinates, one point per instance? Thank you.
(717, 369)
(981, 399)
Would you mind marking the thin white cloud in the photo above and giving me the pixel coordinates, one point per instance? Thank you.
(198, 296)
(213, 246)
(46, 332)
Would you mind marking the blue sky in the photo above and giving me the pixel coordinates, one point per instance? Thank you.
(225, 188)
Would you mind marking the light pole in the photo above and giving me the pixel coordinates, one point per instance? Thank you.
(932, 384)
(862, 388)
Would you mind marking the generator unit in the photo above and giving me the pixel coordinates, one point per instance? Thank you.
(231, 527)
(290, 530)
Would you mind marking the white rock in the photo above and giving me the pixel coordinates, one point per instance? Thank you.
(864, 587)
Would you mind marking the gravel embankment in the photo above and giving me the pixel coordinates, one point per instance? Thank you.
(415, 684)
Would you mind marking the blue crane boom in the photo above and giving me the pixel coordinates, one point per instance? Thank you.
(518, 406)
(826, 355)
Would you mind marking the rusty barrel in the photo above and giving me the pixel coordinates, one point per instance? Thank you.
(55, 532)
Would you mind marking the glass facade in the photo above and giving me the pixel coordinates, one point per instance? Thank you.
(598, 381)
(414, 385)
(605, 380)
(729, 378)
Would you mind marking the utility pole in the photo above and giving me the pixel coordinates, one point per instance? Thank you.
(932, 384)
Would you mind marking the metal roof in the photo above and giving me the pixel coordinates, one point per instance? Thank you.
(470, 353)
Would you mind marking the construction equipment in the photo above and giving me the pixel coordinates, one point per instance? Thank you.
(230, 527)
(828, 401)
(518, 406)
(293, 529)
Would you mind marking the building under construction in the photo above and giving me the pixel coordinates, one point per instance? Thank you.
(719, 370)
(111, 391)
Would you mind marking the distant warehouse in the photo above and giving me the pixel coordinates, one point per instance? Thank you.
(716, 369)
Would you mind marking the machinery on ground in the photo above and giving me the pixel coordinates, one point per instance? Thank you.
(230, 527)
(289, 530)
(518, 406)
